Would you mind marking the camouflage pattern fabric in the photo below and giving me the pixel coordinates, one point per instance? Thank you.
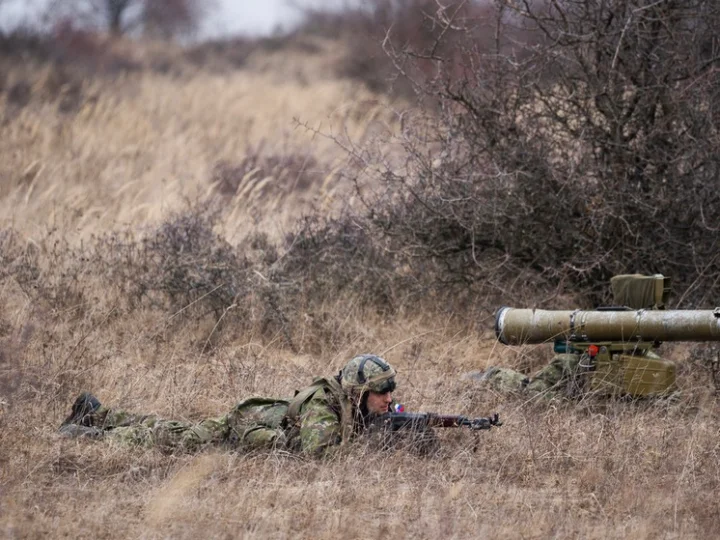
(561, 375)
(505, 379)
(256, 423)
(318, 427)
(318, 419)
(149, 430)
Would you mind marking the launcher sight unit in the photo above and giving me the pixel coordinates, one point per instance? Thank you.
(615, 343)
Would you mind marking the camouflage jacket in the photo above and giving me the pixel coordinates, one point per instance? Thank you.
(319, 417)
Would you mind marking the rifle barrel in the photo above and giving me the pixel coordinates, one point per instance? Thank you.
(419, 421)
(439, 420)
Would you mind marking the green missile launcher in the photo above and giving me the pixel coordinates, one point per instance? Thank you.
(616, 343)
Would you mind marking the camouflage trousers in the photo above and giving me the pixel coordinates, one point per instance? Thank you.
(563, 375)
(256, 423)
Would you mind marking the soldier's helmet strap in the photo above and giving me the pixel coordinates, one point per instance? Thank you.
(361, 368)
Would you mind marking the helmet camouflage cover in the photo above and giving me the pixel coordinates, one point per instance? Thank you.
(368, 372)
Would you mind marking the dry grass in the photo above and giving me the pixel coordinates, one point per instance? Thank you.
(139, 150)
(554, 470)
(143, 144)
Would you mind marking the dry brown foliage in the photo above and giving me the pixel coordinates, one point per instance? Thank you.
(145, 257)
(577, 144)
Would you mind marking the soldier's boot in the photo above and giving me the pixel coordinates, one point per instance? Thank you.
(83, 407)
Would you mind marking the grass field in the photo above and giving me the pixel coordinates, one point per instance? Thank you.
(140, 147)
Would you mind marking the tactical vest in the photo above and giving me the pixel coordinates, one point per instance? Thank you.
(340, 397)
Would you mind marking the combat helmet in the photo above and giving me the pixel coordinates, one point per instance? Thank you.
(367, 372)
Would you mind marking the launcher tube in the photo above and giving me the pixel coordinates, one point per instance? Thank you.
(519, 326)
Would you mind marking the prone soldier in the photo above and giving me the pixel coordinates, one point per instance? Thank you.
(325, 415)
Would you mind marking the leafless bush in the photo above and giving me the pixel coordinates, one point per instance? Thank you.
(412, 26)
(46, 271)
(586, 153)
(23, 42)
(168, 18)
(232, 53)
(188, 264)
(69, 51)
(181, 267)
(187, 273)
(341, 258)
(382, 36)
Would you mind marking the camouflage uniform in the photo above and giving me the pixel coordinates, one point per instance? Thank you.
(567, 375)
(562, 374)
(317, 418)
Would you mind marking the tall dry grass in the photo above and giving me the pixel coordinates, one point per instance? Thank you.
(143, 144)
(146, 145)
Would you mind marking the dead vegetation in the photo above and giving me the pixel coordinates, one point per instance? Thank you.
(178, 240)
(578, 144)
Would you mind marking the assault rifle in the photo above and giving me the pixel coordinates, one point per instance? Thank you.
(397, 421)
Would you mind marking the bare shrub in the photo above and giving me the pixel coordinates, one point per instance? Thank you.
(185, 263)
(574, 157)
(181, 267)
(19, 94)
(390, 44)
(76, 52)
(45, 270)
(187, 273)
(171, 18)
(24, 42)
(341, 258)
(412, 27)
(232, 53)
(167, 19)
